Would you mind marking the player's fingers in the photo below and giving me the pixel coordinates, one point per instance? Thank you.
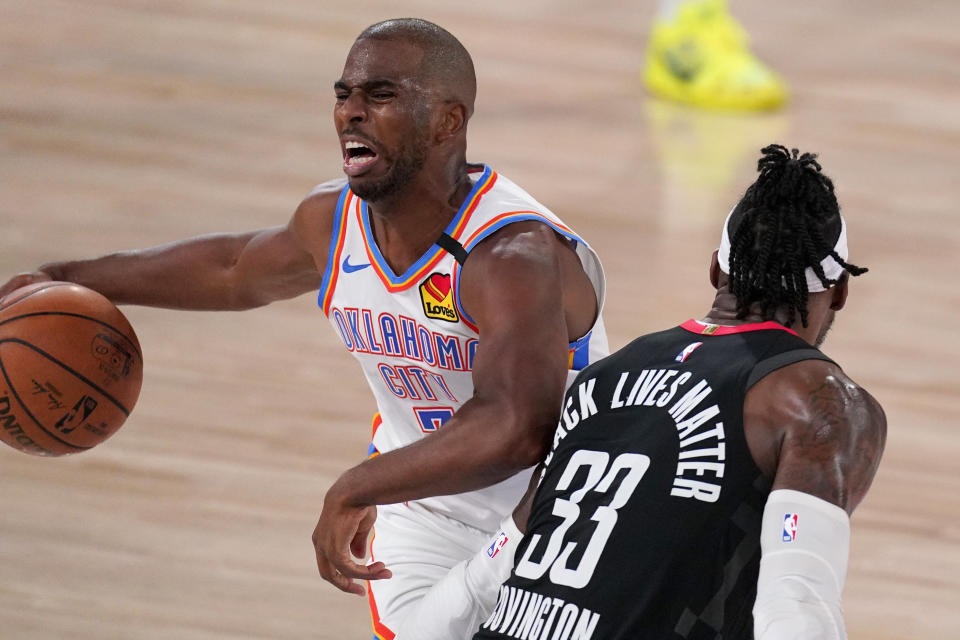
(22, 280)
(379, 571)
(358, 546)
(359, 542)
(329, 573)
(351, 569)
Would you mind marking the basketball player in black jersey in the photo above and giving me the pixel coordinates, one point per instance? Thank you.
(701, 478)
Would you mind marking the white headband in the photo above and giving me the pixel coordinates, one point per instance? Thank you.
(831, 268)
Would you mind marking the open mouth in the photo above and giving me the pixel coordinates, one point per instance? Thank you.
(357, 155)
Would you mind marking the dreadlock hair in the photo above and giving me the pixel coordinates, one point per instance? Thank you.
(787, 220)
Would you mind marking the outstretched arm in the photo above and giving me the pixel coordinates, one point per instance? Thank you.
(820, 436)
(225, 271)
(514, 287)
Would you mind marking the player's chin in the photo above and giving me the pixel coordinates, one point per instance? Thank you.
(372, 188)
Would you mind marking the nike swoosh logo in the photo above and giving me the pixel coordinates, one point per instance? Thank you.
(350, 268)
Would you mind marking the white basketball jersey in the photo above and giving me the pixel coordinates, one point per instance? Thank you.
(411, 336)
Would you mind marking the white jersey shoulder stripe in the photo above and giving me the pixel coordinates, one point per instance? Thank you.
(329, 284)
(490, 228)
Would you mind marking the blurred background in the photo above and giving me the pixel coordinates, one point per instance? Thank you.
(126, 123)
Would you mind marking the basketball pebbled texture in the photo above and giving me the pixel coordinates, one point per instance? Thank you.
(70, 369)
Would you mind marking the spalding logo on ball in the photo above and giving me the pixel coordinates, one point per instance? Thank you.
(70, 369)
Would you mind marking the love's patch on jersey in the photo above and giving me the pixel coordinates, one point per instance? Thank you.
(437, 298)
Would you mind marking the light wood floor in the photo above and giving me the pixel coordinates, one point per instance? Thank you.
(125, 123)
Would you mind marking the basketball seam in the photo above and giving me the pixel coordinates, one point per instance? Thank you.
(82, 377)
(76, 315)
(49, 285)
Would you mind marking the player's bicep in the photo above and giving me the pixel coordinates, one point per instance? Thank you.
(272, 266)
(512, 287)
(285, 261)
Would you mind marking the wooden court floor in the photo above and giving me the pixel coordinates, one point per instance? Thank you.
(126, 123)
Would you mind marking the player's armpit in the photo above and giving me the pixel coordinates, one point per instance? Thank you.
(812, 429)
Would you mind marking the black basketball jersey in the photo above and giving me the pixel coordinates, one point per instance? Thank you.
(646, 524)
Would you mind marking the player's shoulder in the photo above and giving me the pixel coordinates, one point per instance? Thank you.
(815, 378)
(813, 429)
(815, 392)
(518, 242)
(314, 216)
(814, 410)
(322, 199)
(514, 264)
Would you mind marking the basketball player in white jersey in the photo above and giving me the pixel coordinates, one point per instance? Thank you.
(466, 302)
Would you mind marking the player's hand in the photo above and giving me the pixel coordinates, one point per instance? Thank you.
(342, 530)
(22, 280)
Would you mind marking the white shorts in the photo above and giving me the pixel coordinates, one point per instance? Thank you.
(420, 547)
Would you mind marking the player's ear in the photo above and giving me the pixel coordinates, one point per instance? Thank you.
(840, 291)
(715, 269)
(453, 118)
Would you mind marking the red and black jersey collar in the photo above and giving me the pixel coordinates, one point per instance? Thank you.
(706, 329)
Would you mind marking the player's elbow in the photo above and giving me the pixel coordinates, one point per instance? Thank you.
(240, 300)
(526, 453)
(527, 438)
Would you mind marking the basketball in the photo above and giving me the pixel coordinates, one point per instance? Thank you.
(70, 369)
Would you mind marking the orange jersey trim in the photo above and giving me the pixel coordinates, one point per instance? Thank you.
(492, 225)
(393, 283)
(372, 451)
(380, 630)
(333, 263)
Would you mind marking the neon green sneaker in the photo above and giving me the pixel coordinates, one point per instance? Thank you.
(702, 58)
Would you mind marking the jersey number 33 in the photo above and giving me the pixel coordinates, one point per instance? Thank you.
(600, 478)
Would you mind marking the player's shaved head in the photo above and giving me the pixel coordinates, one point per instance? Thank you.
(446, 64)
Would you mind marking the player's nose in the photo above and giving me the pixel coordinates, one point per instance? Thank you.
(354, 108)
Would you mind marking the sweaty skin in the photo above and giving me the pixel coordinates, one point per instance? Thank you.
(809, 427)
(524, 286)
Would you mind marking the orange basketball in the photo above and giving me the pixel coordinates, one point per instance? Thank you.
(70, 369)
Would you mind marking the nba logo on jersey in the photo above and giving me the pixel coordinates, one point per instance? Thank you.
(437, 298)
(789, 527)
(690, 348)
(497, 545)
